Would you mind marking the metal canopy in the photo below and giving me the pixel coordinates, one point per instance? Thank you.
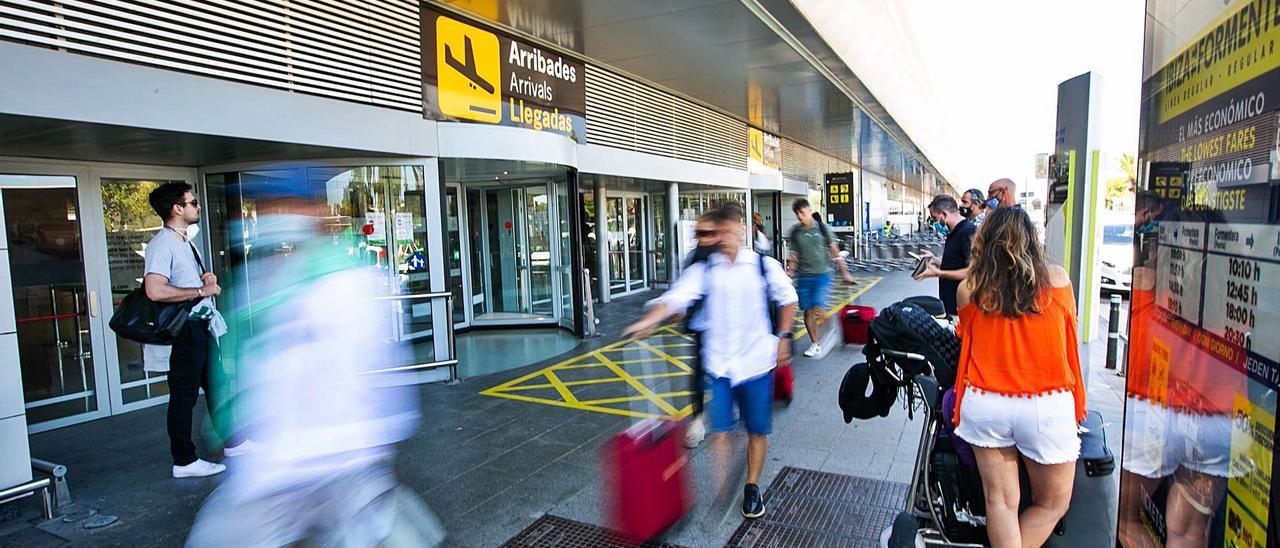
(715, 51)
(49, 138)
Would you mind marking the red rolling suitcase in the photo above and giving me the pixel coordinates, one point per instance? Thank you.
(646, 478)
(854, 320)
(784, 380)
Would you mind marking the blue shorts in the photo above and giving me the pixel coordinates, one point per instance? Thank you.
(813, 290)
(755, 403)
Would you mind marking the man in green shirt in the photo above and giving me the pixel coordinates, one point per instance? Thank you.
(813, 249)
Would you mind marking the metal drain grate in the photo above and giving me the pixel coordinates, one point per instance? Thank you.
(809, 508)
(557, 532)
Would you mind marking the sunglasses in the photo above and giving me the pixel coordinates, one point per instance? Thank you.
(192, 203)
(705, 233)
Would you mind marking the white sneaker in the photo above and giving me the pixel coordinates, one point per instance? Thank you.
(814, 350)
(695, 434)
(245, 447)
(198, 469)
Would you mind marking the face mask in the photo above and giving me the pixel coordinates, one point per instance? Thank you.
(993, 203)
(941, 228)
(966, 212)
(1148, 228)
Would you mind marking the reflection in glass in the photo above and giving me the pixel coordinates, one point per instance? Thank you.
(635, 251)
(658, 244)
(614, 232)
(130, 223)
(50, 301)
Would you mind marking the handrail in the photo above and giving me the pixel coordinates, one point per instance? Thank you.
(438, 295)
(451, 360)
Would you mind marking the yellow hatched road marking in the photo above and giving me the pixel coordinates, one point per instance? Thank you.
(641, 388)
(653, 347)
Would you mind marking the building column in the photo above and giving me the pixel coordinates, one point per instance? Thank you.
(673, 230)
(602, 239)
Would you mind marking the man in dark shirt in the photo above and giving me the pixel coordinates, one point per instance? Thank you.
(953, 267)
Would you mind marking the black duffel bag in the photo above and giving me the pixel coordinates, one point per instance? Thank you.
(143, 320)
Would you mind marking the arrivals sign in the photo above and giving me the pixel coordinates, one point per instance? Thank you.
(475, 74)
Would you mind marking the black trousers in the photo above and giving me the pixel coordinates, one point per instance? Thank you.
(188, 373)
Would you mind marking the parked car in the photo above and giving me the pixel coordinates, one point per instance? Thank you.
(1116, 256)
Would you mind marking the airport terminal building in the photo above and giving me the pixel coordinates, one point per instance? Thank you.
(506, 164)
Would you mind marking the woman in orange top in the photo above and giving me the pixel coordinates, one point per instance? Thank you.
(1019, 388)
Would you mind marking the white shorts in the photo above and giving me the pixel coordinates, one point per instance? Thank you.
(1159, 440)
(1043, 428)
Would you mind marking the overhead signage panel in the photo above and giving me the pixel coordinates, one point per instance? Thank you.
(840, 199)
(475, 74)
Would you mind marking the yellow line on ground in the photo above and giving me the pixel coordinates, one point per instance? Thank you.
(636, 398)
(578, 406)
(669, 359)
(639, 386)
(564, 391)
(537, 373)
(677, 333)
(587, 382)
(866, 284)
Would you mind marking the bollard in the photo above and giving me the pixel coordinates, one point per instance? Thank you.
(1113, 333)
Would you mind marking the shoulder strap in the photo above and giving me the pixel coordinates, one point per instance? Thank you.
(769, 306)
(196, 254)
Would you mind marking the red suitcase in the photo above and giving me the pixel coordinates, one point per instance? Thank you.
(854, 321)
(784, 380)
(646, 479)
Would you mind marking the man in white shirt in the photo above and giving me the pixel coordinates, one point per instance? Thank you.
(742, 342)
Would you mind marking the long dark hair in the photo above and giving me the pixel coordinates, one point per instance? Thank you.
(1008, 269)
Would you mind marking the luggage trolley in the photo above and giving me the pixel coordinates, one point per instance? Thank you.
(945, 504)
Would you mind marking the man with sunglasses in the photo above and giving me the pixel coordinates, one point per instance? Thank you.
(175, 273)
(1002, 193)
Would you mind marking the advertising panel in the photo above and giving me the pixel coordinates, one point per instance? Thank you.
(1200, 412)
(764, 151)
(475, 74)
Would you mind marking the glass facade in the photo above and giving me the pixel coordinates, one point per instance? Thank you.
(374, 215)
(1200, 412)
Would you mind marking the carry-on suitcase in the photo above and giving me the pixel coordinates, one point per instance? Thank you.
(784, 383)
(854, 321)
(1093, 497)
(646, 478)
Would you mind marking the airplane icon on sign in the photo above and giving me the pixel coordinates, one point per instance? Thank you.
(468, 66)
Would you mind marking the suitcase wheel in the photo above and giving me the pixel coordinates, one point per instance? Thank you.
(903, 532)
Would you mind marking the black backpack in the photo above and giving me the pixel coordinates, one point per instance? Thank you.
(907, 327)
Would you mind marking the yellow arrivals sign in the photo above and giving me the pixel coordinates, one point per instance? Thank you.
(469, 71)
(477, 74)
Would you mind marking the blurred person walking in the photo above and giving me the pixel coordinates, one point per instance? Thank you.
(744, 339)
(813, 249)
(953, 267)
(325, 422)
(1019, 389)
(707, 235)
(175, 273)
